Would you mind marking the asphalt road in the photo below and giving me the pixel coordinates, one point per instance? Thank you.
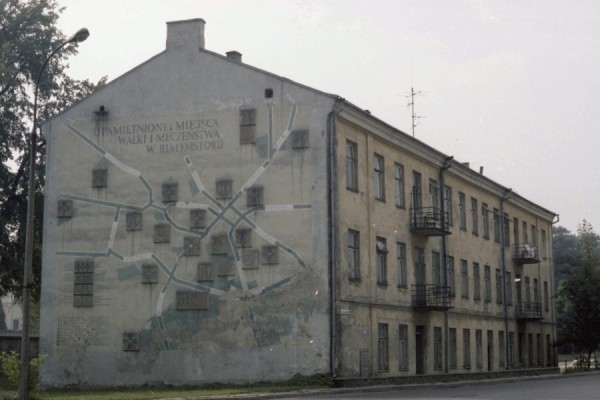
(570, 387)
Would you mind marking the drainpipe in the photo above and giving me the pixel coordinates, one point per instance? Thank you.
(445, 166)
(332, 231)
(507, 195)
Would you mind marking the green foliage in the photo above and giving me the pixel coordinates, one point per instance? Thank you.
(578, 299)
(11, 365)
(28, 34)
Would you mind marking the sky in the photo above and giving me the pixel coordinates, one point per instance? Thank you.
(510, 86)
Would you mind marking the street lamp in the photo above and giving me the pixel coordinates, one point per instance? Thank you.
(79, 36)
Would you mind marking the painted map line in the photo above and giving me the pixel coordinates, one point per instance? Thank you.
(86, 139)
(238, 261)
(291, 252)
(106, 203)
(192, 169)
(285, 207)
(113, 228)
(70, 253)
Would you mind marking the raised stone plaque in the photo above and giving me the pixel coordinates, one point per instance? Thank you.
(170, 192)
(219, 244)
(64, 209)
(99, 178)
(205, 272)
(248, 134)
(269, 255)
(191, 246)
(131, 341)
(243, 237)
(189, 300)
(254, 196)
(149, 273)
(248, 116)
(224, 189)
(300, 139)
(134, 220)
(250, 259)
(197, 218)
(162, 233)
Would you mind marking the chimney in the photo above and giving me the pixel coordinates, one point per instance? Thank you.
(185, 35)
(234, 56)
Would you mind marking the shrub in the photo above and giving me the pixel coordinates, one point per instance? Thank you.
(11, 365)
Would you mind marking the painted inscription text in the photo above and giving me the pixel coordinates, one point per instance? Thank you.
(164, 137)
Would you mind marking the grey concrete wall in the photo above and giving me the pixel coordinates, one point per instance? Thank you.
(258, 312)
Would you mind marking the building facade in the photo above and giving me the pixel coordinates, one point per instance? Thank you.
(209, 221)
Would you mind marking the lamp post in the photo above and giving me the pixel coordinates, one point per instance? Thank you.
(79, 36)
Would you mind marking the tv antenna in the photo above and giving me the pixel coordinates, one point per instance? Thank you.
(411, 104)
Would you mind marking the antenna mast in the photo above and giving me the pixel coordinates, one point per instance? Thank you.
(411, 104)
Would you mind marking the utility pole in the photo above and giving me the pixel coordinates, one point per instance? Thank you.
(411, 104)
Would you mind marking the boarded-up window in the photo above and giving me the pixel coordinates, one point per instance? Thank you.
(191, 246)
(300, 139)
(162, 233)
(149, 273)
(170, 192)
(243, 237)
(197, 218)
(254, 196)
(205, 272)
(224, 189)
(64, 209)
(133, 220)
(131, 341)
(270, 255)
(99, 178)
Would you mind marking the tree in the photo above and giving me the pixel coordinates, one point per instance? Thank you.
(28, 34)
(564, 253)
(579, 295)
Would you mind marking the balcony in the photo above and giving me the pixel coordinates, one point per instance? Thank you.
(525, 253)
(429, 221)
(431, 297)
(528, 312)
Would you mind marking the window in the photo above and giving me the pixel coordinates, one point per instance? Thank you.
(381, 261)
(462, 211)
(533, 235)
(527, 290)
(487, 283)
(378, 177)
(509, 294)
(162, 233)
(353, 255)
(511, 348)
(524, 226)
(516, 230)
(224, 189)
(546, 297)
(466, 348)
(548, 351)
(434, 194)
(539, 349)
(435, 267)
(475, 226)
(401, 264)
(448, 204)
(464, 279)
(452, 348)
(382, 347)
(399, 185)
(437, 347)
(485, 220)
(478, 348)
(476, 282)
(536, 291)
(254, 196)
(83, 287)
(501, 349)
(197, 218)
(506, 230)
(248, 126)
(497, 225)
(403, 347)
(499, 294)
(99, 178)
(131, 341)
(170, 192)
(149, 273)
(243, 237)
(450, 275)
(544, 249)
(351, 166)
(530, 349)
(133, 220)
(417, 201)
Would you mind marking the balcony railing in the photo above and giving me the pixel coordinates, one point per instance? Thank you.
(433, 297)
(528, 311)
(429, 221)
(525, 253)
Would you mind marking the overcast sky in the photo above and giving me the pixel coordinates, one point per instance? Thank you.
(513, 86)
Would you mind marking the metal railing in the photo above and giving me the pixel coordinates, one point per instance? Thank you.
(430, 221)
(431, 296)
(528, 311)
(525, 253)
